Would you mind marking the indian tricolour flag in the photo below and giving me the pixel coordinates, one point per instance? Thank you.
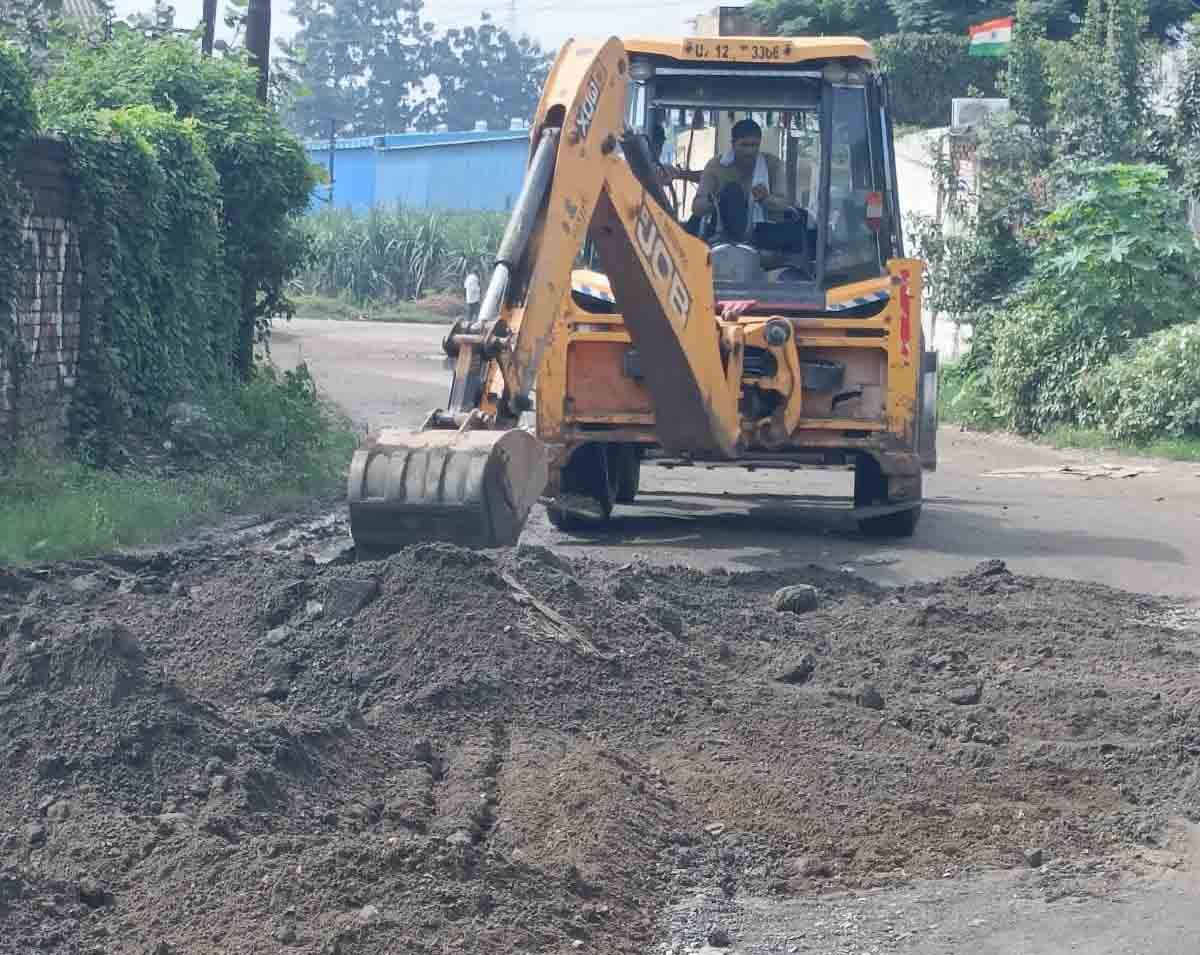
(991, 38)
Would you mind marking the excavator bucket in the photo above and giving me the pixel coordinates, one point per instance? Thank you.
(471, 488)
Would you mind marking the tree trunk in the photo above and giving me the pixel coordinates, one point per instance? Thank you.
(243, 359)
(210, 26)
(258, 41)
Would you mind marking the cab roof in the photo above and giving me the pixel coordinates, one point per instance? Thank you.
(753, 49)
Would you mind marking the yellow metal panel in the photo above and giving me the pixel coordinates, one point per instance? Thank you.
(904, 359)
(782, 51)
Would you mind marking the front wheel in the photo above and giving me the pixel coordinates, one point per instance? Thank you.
(588, 488)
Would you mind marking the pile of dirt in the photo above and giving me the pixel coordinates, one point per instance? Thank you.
(450, 751)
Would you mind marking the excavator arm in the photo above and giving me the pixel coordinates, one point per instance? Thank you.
(471, 475)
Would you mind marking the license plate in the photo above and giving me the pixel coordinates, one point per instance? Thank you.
(716, 49)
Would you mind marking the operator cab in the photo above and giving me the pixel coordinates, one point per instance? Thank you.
(821, 108)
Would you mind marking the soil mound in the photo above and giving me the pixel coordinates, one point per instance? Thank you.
(455, 752)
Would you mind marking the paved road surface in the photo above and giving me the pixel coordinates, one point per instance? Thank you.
(992, 497)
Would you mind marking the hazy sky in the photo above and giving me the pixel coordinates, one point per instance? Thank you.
(548, 21)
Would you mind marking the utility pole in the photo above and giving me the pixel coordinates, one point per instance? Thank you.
(258, 42)
(210, 27)
(332, 147)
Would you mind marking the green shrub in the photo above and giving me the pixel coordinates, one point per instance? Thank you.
(1115, 261)
(928, 70)
(1040, 354)
(273, 419)
(964, 396)
(1151, 392)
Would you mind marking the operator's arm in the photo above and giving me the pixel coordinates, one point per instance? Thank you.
(710, 185)
(777, 199)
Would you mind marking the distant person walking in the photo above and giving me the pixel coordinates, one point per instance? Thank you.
(471, 287)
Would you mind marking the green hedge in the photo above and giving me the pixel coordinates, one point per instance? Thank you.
(928, 70)
(1153, 391)
(18, 121)
(266, 180)
(159, 319)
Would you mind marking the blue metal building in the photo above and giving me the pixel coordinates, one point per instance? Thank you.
(444, 170)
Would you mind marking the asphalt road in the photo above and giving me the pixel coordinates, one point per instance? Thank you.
(1127, 523)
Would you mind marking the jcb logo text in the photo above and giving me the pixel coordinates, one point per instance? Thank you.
(662, 266)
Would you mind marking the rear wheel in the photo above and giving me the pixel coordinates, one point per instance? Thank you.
(588, 488)
(900, 524)
(871, 488)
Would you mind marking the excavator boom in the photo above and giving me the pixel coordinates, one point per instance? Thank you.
(471, 474)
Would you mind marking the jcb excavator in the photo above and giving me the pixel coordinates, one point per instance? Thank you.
(683, 347)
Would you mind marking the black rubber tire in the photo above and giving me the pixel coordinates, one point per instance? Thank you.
(870, 489)
(626, 461)
(870, 483)
(588, 473)
(900, 524)
(566, 521)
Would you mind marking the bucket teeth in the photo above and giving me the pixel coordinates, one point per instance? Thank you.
(472, 488)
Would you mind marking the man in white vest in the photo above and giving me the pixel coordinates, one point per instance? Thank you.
(744, 184)
(471, 287)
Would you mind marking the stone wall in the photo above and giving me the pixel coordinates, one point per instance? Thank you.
(36, 380)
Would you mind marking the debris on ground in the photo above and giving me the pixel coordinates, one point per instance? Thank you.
(512, 752)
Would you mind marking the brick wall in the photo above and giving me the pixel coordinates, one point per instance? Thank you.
(35, 388)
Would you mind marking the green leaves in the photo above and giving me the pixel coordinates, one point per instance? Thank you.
(189, 192)
(265, 179)
(18, 121)
(928, 70)
(1153, 390)
(1025, 76)
(157, 305)
(875, 18)
(18, 114)
(1115, 262)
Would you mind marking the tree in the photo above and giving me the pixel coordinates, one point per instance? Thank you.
(875, 18)
(1186, 124)
(375, 66)
(1099, 95)
(1124, 55)
(870, 18)
(363, 62)
(1026, 83)
(28, 23)
(485, 74)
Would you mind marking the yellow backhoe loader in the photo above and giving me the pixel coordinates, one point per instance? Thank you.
(633, 330)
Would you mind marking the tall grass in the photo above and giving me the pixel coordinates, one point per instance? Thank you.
(271, 443)
(397, 254)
